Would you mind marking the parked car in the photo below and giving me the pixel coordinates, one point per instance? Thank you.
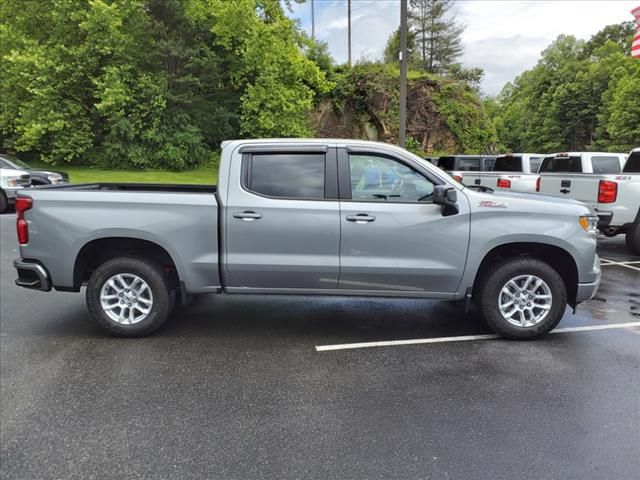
(517, 171)
(326, 217)
(615, 196)
(11, 181)
(458, 165)
(38, 177)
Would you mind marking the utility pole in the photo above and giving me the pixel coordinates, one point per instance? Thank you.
(349, 28)
(313, 20)
(403, 73)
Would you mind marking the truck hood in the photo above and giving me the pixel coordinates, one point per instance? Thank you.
(525, 202)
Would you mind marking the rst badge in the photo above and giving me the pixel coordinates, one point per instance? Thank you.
(492, 204)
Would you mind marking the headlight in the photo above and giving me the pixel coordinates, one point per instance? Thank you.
(12, 181)
(55, 178)
(589, 223)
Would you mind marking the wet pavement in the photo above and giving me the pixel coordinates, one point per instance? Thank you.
(233, 388)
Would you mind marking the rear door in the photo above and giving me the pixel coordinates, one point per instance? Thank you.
(282, 221)
(394, 238)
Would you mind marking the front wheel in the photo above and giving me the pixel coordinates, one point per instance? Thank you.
(632, 238)
(4, 203)
(130, 297)
(523, 298)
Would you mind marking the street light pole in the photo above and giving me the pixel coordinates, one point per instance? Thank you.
(313, 20)
(403, 73)
(349, 28)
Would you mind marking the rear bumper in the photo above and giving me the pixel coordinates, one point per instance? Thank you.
(604, 219)
(586, 291)
(32, 274)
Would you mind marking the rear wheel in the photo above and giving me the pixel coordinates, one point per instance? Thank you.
(523, 298)
(632, 238)
(4, 203)
(130, 297)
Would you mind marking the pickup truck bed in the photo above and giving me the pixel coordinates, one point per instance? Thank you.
(85, 221)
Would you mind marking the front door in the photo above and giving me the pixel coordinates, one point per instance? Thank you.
(393, 237)
(282, 222)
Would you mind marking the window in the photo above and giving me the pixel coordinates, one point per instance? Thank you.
(561, 164)
(4, 164)
(289, 175)
(534, 164)
(375, 178)
(508, 163)
(469, 164)
(605, 164)
(488, 164)
(633, 163)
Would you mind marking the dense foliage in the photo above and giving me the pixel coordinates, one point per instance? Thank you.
(149, 83)
(580, 96)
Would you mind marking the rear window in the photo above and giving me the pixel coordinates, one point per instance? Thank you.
(446, 163)
(488, 163)
(286, 175)
(561, 165)
(633, 163)
(604, 164)
(469, 164)
(534, 164)
(508, 164)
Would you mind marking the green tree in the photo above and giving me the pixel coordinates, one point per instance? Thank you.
(439, 37)
(392, 49)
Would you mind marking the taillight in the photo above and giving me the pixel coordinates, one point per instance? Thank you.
(538, 184)
(607, 191)
(457, 178)
(504, 183)
(22, 227)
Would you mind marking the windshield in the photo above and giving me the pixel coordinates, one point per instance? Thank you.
(561, 164)
(508, 163)
(633, 163)
(14, 162)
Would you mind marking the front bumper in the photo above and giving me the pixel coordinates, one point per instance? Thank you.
(11, 193)
(32, 275)
(586, 291)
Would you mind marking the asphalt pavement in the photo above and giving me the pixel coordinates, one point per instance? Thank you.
(234, 388)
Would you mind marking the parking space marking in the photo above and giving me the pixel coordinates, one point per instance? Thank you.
(463, 338)
(605, 262)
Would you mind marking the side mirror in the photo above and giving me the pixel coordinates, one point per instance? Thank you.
(447, 197)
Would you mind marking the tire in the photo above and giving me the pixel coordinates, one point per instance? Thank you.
(112, 278)
(632, 238)
(536, 322)
(4, 203)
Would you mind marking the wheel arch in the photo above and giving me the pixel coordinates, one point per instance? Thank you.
(95, 252)
(556, 257)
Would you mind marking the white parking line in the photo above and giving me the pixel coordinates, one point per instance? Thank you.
(464, 338)
(607, 263)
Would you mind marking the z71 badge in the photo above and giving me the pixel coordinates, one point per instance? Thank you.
(490, 204)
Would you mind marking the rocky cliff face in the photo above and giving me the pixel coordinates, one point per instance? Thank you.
(442, 116)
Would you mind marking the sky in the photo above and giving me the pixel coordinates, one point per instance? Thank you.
(504, 37)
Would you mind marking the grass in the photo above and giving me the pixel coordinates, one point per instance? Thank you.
(203, 175)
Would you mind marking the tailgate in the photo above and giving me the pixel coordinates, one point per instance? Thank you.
(583, 187)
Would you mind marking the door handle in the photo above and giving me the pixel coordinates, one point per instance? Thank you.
(247, 215)
(361, 218)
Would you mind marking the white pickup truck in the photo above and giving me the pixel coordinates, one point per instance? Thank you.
(517, 171)
(613, 192)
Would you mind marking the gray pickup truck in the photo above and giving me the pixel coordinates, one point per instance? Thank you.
(310, 217)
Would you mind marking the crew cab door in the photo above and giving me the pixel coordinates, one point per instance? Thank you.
(282, 220)
(394, 238)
